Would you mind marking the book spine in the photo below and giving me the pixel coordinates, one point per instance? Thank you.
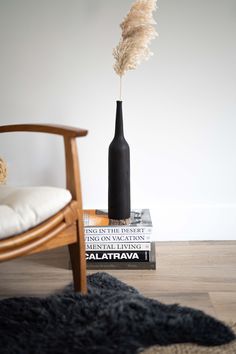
(120, 247)
(117, 238)
(117, 230)
(139, 256)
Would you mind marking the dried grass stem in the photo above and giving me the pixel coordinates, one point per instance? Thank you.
(3, 171)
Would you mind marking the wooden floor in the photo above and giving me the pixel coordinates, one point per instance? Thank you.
(196, 274)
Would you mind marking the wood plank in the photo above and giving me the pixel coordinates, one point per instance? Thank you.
(224, 304)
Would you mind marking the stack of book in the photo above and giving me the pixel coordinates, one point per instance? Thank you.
(125, 245)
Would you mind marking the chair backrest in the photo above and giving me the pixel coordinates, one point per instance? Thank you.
(69, 134)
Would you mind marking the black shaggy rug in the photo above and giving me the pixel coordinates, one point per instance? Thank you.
(112, 318)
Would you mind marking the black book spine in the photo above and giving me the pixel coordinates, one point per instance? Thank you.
(99, 256)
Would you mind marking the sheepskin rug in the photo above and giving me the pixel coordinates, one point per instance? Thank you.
(112, 318)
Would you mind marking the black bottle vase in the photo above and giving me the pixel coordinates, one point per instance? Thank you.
(119, 172)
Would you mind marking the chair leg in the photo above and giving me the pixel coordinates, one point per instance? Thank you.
(78, 262)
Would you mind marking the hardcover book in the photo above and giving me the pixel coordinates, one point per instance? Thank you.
(101, 238)
(139, 256)
(96, 222)
(119, 246)
(139, 246)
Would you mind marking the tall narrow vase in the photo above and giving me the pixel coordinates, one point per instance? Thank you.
(119, 174)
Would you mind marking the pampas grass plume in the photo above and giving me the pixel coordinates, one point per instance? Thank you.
(137, 32)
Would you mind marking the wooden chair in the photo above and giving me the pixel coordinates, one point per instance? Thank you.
(64, 228)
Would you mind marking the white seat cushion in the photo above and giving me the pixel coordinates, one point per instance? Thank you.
(22, 208)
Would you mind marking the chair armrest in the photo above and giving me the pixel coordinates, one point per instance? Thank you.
(70, 132)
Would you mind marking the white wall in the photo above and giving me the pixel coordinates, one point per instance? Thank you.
(179, 107)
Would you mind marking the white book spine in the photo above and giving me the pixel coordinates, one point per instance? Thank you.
(117, 230)
(141, 246)
(117, 238)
